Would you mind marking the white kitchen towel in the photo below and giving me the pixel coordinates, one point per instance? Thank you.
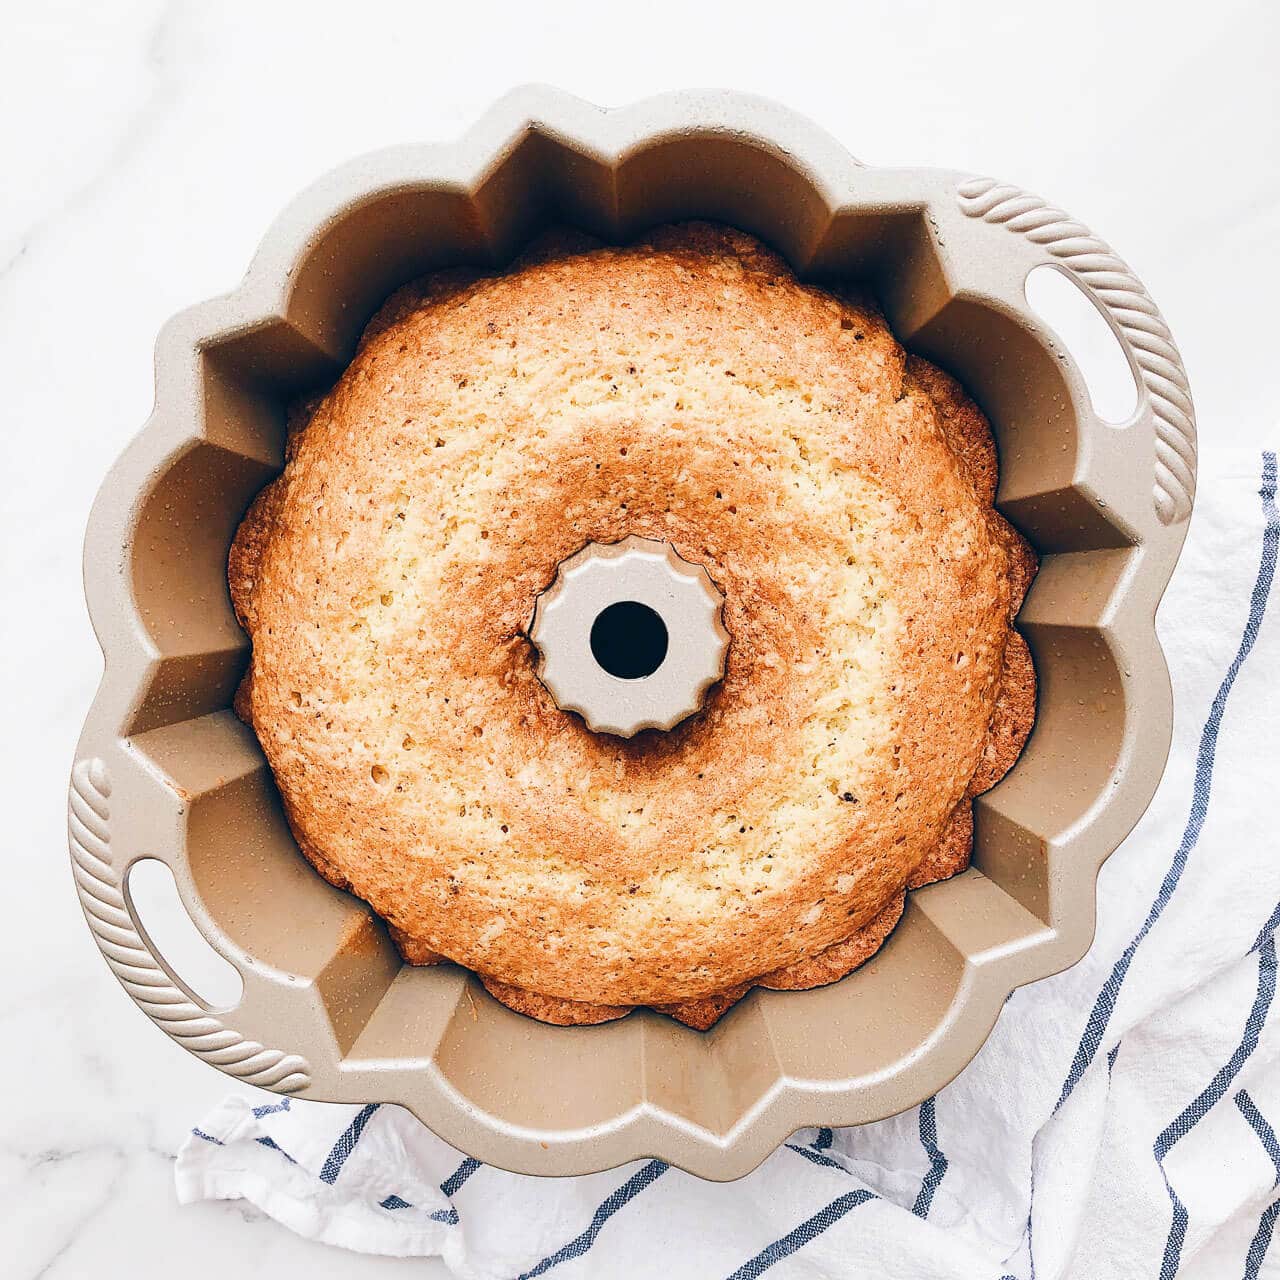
(1121, 1121)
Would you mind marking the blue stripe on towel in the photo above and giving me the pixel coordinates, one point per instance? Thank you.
(208, 1137)
(816, 1157)
(1273, 923)
(937, 1161)
(451, 1184)
(273, 1145)
(455, 1180)
(272, 1109)
(1213, 1093)
(447, 1216)
(346, 1144)
(1106, 1001)
(1031, 1234)
(1258, 1123)
(938, 1164)
(576, 1247)
(1261, 1241)
(808, 1230)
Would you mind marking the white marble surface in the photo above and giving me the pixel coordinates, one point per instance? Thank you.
(146, 147)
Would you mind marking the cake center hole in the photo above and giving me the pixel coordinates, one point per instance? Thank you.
(629, 640)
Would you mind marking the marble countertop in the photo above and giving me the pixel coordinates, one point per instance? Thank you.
(147, 146)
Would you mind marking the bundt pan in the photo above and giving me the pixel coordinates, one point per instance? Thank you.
(165, 770)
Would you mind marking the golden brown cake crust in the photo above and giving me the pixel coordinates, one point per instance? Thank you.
(948, 858)
(835, 962)
(564, 1013)
(950, 855)
(685, 388)
(1012, 719)
(706, 1011)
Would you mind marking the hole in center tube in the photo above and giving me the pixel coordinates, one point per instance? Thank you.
(629, 640)
(180, 947)
(1062, 303)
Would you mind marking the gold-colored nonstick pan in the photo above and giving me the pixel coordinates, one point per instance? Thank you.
(165, 770)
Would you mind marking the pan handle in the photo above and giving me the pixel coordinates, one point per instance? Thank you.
(99, 878)
(1164, 393)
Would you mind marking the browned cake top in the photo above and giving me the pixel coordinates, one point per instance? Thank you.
(689, 389)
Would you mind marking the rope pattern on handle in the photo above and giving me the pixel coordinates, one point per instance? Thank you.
(1119, 290)
(132, 961)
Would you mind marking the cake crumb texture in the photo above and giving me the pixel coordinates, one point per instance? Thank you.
(685, 388)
